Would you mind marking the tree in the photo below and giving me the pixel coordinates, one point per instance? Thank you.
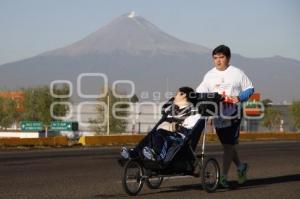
(272, 118)
(8, 112)
(294, 111)
(134, 99)
(267, 102)
(37, 104)
(116, 125)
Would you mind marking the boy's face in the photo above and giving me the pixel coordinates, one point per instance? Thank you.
(180, 97)
(221, 62)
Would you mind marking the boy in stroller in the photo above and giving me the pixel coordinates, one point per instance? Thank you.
(170, 148)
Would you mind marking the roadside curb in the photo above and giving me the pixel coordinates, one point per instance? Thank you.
(119, 139)
(50, 141)
(133, 139)
(109, 140)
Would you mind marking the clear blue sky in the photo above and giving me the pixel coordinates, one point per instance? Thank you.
(256, 28)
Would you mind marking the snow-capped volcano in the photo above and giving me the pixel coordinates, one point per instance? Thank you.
(132, 34)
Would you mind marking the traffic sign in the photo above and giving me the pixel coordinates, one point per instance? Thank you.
(31, 126)
(62, 126)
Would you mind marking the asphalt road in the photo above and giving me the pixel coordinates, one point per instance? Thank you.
(94, 173)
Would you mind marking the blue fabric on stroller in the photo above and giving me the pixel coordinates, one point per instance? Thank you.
(174, 142)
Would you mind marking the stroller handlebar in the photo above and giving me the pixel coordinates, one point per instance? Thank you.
(208, 97)
(195, 98)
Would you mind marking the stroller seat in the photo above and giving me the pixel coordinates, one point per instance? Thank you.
(190, 140)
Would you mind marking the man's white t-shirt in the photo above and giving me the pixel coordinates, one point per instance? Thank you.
(230, 82)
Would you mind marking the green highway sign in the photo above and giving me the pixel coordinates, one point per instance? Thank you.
(31, 126)
(61, 126)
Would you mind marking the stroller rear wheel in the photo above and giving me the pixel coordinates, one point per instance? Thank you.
(210, 175)
(132, 179)
(154, 182)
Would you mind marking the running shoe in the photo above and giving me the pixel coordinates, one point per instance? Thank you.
(242, 173)
(223, 182)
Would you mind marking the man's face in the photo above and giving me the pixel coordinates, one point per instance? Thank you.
(221, 62)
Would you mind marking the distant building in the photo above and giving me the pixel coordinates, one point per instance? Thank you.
(16, 96)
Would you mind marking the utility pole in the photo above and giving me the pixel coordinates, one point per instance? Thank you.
(46, 131)
(108, 101)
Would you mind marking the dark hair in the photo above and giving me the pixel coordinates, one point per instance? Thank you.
(188, 91)
(225, 50)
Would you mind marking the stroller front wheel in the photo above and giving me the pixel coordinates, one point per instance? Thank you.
(132, 179)
(210, 174)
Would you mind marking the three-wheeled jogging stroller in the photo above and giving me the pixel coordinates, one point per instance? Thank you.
(139, 170)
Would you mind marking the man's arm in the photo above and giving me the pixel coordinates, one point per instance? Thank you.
(243, 96)
(246, 94)
(247, 88)
(203, 86)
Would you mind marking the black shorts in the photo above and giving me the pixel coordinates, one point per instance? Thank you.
(230, 135)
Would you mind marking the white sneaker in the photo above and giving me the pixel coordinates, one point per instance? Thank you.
(124, 153)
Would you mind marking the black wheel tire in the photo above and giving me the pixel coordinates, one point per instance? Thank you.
(155, 182)
(133, 172)
(210, 174)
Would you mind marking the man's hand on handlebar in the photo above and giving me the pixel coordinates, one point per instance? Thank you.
(231, 99)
